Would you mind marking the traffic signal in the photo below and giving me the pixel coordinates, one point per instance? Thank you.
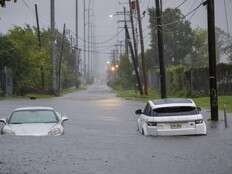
(3, 2)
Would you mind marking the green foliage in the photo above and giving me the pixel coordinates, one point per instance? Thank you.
(125, 79)
(31, 65)
(200, 47)
(175, 80)
(8, 53)
(178, 38)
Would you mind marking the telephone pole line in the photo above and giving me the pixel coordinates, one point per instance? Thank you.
(84, 51)
(53, 47)
(161, 50)
(37, 24)
(133, 34)
(142, 49)
(77, 35)
(88, 38)
(212, 60)
(61, 59)
(39, 43)
(140, 88)
(126, 42)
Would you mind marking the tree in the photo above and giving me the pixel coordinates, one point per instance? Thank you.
(3, 2)
(199, 56)
(31, 64)
(177, 33)
(224, 44)
(8, 53)
(125, 78)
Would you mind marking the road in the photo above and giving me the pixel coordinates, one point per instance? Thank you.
(101, 138)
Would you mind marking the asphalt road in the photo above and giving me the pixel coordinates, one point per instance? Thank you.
(101, 138)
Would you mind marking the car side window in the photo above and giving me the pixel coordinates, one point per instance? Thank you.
(148, 111)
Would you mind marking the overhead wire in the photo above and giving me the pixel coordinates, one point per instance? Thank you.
(183, 17)
(226, 15)
(102, 42)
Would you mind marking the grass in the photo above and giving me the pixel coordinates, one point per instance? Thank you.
(43, 96)
(203, 102)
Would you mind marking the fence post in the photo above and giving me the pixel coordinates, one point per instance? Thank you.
(225, 117)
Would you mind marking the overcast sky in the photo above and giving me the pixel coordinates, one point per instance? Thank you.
(22, 13)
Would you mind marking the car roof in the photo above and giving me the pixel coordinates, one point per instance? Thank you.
(34, 108)
(172, 102)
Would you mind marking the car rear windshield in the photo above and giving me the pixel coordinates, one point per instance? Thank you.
(38, 116)
(175, 111)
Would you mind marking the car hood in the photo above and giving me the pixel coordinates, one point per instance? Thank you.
(32, 129)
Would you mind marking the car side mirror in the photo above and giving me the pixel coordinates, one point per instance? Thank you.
(199, 109)
(138, 112)
(64, 118)
(3, 121)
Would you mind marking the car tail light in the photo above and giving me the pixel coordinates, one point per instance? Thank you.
(151, 123)
(198, 121)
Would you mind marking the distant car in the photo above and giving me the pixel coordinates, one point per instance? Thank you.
(34, 121)
(171, 117)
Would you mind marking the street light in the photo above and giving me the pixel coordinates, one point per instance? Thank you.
(113, 68)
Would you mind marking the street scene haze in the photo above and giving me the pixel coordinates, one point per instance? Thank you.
(115, 86)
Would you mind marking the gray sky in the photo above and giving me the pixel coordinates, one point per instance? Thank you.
(22, 13)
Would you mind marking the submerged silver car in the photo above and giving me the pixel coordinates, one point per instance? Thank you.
(34, 121)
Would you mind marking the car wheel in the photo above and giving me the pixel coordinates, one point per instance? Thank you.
(142, 131)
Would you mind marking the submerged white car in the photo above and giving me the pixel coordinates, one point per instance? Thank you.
(171, 117)
(34, 121)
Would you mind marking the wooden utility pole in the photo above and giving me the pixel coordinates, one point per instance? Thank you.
(61, 59)
(53, 46)
(76, 45)
(84, 51)
(88, 41)
(39, 43)
(133, 34)
(161, 50)
(133, 57)
(142, 49)
(126, 43)
(212, 60)
(37, 24)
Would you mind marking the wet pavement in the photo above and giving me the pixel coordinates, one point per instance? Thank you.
(101, 138)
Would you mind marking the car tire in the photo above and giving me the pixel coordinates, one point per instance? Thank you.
(142, 131)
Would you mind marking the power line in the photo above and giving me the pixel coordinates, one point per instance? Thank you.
(32, 12)
(102, 42)
(189, 13)
(182, 3)
(226, 15)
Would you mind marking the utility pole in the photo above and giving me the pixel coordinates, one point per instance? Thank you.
(126, 42)
(53, 47)
(133, 57)
(161, 50)
(88, 42)
(133, 34)
(76, 47)
(61, 59)
(37, 23)
(92, 49)
(84, 51)
(142, 49)
(212, 60)
(39, 43)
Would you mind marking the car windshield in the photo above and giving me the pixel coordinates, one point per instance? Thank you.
(175, 111)
(38, 116)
